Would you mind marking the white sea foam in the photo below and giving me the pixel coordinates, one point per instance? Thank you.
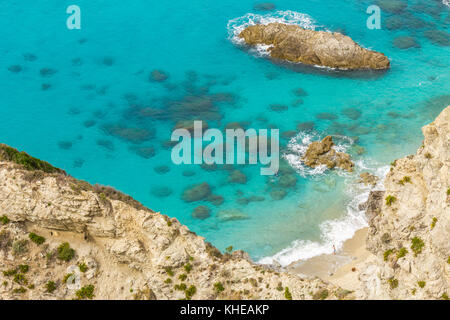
(446, 2)
(337, 231)
(237, 25)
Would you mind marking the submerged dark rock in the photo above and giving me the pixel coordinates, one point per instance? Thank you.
(144, 152)
(231, 215)
(237, 176)
(188, 173)
(163, 169)
(107, 144)
(89, 123)
(201, 212)
(131, 134)
(78, 163)
(305, 126)
(65, 145)
(161, 192)
(158, 76)
(299, 92)
(15, 68)
(406, 43)
(392, 6)
(215, 199)
(438, 37)
(352, 113)
(287, 181)
(264, 6)
(47, 72)
(326, 116)
(196, 192)
(278, 194)
(278, 107)
(29, 57)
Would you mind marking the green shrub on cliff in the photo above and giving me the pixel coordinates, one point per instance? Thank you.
(86, 292)
(180, 287)
(83, 267)
(287, 294)
(218, 286)
(421, 284)
(65, 252)
(189, 292)
(405, 179)
(393, 283)
(387, 253)
(4, 220)
(401, 253)
(24, 268)
(36, 238)
(10, 272)
(20, 290)
(66, 277)
(169, 271)
(321, 295)
(448, 192)
(182, 277)
(28, 162)
(50, 286)
(390, 200)
(433, 223)
(188, 267)
(417, 245)
(20, 279)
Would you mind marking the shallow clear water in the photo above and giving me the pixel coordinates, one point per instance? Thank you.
(101, 82)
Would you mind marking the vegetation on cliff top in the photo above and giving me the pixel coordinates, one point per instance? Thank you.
(28, 162)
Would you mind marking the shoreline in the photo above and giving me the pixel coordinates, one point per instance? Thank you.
(337, 268)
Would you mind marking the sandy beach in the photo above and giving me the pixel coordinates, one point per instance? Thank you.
(338, 268)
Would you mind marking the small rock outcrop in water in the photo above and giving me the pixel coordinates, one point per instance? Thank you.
(368, 179)
(322, 153)
(319, 48)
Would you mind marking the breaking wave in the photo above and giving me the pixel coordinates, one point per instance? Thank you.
(337, 231)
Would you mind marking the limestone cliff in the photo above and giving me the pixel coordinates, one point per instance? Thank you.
(61, 238)
(410, 223)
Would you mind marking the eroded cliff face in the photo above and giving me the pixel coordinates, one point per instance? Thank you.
(410, 224)
(122, 250)
(319, 48)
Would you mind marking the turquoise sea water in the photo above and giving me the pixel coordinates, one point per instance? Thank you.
(82, 100)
